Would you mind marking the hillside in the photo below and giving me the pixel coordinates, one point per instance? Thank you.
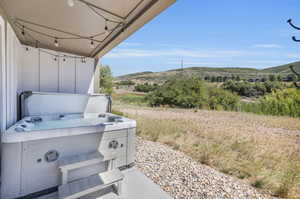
(209, 71)
(283, 69)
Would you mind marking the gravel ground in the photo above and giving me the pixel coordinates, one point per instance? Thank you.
(184, 178)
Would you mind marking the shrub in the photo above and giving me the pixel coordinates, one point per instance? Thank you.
(185, 93)
(106, 80)
(222, 99)
(192, 93)
(146, 87)
(256, 89)
(280, 102)
(126, 83)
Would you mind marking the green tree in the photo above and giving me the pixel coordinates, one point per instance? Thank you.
(213, 79)
(106, 80)
(180, 92)
(207, 78)
(126, 83)
(279, 78)
(219, 79)
(146, 87)
(272, 78)
(232, 77)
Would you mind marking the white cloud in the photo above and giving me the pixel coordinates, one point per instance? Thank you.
(233, 63)
(262, 62)
(193, 63)
(266, 46)
(293, 55)
(127, 53)
(128, 44)
(170, 45)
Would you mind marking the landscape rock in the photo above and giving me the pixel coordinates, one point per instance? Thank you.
(184, 178)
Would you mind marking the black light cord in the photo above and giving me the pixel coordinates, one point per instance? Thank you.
(289, 21)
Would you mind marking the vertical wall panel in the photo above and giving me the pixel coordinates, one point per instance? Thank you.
(9, 75)
(12, 60)
(40, 72)
(30, 69)
(49, 73)
(84, 76)
(67, 75)
(2, 78)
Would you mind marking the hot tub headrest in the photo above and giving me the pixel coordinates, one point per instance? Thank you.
(38, 103)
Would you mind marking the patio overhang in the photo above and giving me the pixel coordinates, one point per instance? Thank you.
(88, 28)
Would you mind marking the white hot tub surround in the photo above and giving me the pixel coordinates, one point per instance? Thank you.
(54, 149)
(55, 126)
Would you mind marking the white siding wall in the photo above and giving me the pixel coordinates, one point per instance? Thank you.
(49, 73)
(13, 57)
(84, 76)
(67, 81)
(42, 73)
(32, 69)
(2, 77)
(29, 76)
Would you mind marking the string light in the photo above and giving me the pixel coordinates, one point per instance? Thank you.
(26, 30)
(55, 57)
(92, 44)
(56, 42)
(71, 3)
(23, 30)
(64, 56)
(106, 28)
(91, 39)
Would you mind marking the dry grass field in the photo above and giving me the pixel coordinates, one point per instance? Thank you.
(264, 151)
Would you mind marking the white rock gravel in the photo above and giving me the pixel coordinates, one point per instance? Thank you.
(184, 178)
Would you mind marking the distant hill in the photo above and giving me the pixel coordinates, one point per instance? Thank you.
(209, 71)
(283, 69)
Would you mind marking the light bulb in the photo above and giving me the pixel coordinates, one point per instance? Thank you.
(106, 30)
(23, 31)
(56, 43)
(92, 44)
(71, 3)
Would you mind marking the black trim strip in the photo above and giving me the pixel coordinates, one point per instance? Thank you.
(40, 193)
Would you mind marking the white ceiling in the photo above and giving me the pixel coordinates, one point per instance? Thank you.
(79, 20)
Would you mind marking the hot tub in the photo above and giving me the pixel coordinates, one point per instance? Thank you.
(33, 147)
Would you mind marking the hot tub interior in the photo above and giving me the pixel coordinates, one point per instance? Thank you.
(47, 122)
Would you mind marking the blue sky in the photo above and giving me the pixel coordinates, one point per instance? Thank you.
(212, 33)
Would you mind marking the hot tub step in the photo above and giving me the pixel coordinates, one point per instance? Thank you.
(78, 161)
(91, 184)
